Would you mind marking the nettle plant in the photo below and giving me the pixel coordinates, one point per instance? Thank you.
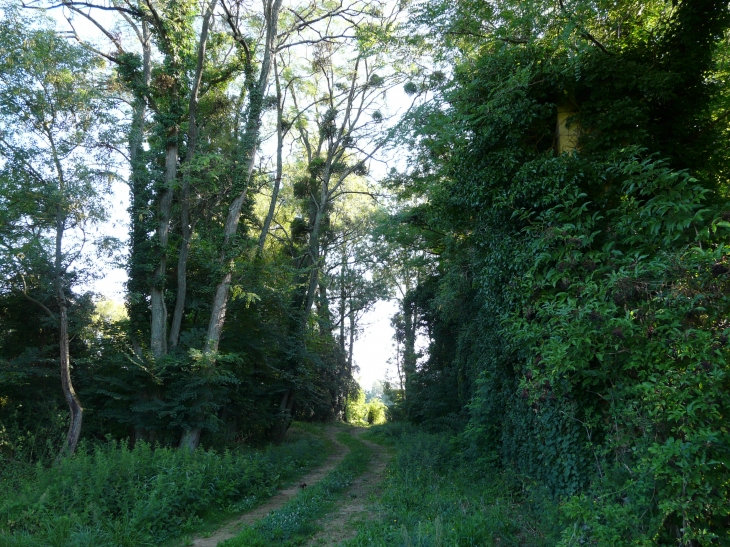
(626, 312)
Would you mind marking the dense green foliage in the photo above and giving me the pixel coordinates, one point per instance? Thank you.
(556, 238)
(116, 495)
(244, 292)
(362, 412)
(576, 312)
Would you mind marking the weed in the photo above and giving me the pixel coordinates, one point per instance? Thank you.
(116, 495)
(431, 497)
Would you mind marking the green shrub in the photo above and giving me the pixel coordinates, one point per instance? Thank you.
(117, 495)
(360, 412)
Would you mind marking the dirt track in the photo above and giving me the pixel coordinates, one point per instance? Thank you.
(340, 525)
(232, 528)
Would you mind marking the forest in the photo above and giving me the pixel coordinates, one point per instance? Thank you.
(541, 186)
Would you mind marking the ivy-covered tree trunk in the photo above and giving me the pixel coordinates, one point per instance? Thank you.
(185, 227)
(343, 300)
(313, 247)
(280, 132)
(248, 155)
(137, 267)
(351, 345)
(158, 308)
(249, 143)
(409, 344)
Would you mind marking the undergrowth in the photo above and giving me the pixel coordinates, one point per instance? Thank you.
(432, 497)
(294, 523)
(113, 495)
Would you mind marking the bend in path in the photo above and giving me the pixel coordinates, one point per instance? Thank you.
(232, 528)
(339, 526)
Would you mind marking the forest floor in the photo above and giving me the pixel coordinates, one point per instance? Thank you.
(388, 485)
(399, 485)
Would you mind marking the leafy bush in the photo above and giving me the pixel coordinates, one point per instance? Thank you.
(638, 323)
(364, 413)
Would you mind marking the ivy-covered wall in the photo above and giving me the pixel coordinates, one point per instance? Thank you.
(582, 294)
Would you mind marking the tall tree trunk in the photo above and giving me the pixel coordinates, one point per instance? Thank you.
(323, 311)
(248, 154)
(313, 250)
(249, 144)
(409, 344)
(279, 162)
(352, 341)
(348, 372)
(158, 333)
(398, 367)
(286, 405)
(74, 405)
(343, 300)
(186, 229)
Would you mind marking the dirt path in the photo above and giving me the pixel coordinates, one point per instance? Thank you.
(279, 499)
(340, 525)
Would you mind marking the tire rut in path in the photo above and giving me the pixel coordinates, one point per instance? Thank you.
(339, 525)
(231, 529)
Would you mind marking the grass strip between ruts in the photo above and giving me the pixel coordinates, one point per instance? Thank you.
(294, 522)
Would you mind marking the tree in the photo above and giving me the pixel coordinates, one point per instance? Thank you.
(56, 167)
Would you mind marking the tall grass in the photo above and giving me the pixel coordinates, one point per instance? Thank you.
(113, 495)
(432, 497)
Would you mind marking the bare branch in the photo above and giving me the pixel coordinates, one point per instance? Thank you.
(237, 36)
(67, 4)
(38, 303)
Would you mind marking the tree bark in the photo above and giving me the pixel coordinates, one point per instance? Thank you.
(313, 246)
(352, 340)
(138, 283)
(190, 439)
(249, 145)
(343, 300)
(409, 344)
(286, 405)
(74, 405)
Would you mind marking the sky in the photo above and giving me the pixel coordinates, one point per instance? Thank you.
(375, 345)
